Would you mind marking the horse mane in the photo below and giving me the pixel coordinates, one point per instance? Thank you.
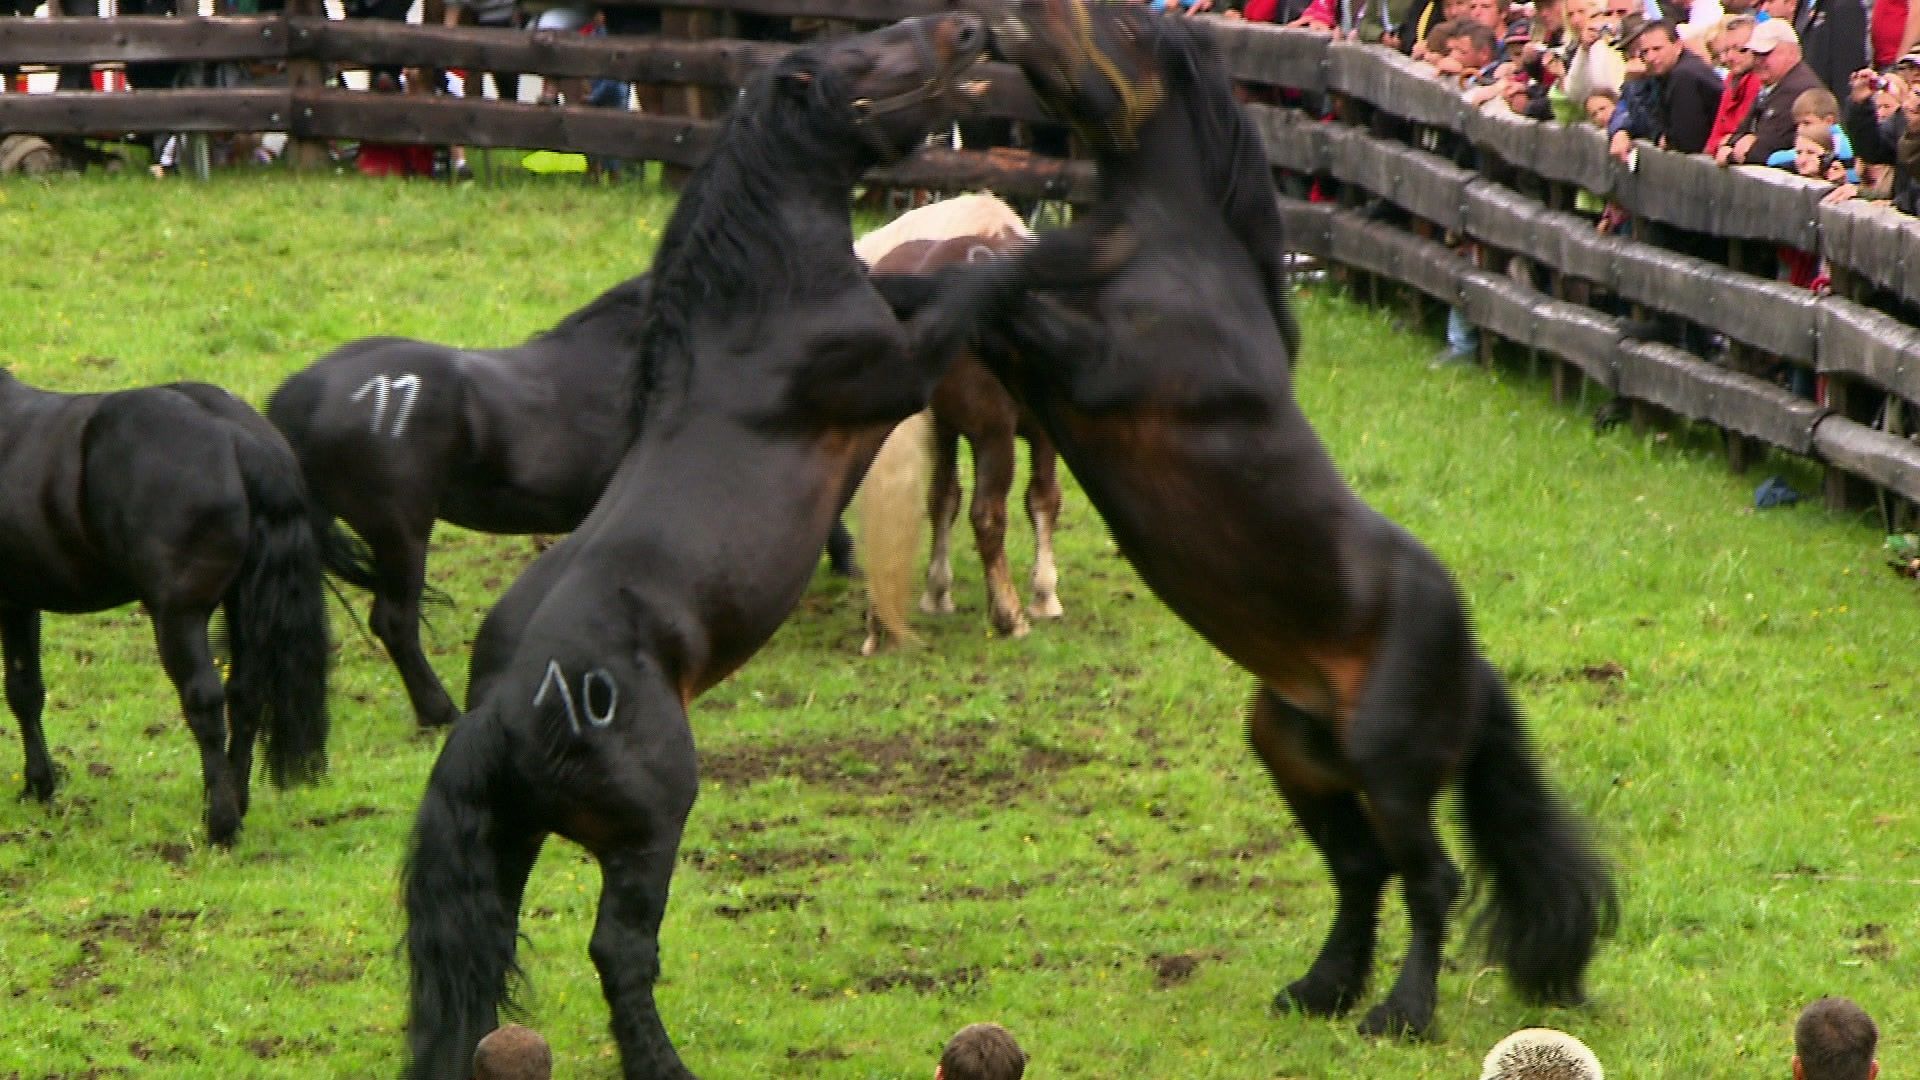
(727, 243)
(1232, 158)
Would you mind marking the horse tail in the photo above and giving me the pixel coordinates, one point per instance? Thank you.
(892, 506)
(1553, 895)
(277, 617)
(460, 934)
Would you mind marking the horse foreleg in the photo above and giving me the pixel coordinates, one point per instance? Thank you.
(1043, 513)
(27, 695)
(992, 480)
(943, 507)
(188, 660)
(1299, 755)
(400, 556)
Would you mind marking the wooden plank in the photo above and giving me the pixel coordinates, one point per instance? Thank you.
(86, 40)
(1015, 173)
(721, 62)
(74, 113)
(404, 118)
(865, 11)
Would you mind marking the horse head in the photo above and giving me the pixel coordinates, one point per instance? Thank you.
(1095, 64)
(895, 85)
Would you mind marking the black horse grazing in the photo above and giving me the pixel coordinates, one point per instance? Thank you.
(1168, 390)
(183, 498)
(395, 434)
(772, 368)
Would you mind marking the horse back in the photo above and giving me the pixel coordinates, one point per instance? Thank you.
(105, 493)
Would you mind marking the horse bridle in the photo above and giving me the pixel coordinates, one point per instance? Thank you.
(940, 86)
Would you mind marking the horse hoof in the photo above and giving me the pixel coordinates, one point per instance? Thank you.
(1304, 996)
(38, 789)
(933, 604)
(223, 834)
(1013, 626)
(1387, 1020)
(1046, 609)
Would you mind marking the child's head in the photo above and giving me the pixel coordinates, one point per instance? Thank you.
(1599, 106)
(981, 1052)
(1816, 108)
(1813, 151)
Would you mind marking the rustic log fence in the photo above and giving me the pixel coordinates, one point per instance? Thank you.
(1516, 203)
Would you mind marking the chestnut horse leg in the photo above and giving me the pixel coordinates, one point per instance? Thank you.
(1043, 512)
(992, 481)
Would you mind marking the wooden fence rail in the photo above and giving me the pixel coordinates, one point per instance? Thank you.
(1516, 203)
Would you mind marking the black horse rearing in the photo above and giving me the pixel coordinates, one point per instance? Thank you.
(1177, 416)
(183, 498)
(771, 371)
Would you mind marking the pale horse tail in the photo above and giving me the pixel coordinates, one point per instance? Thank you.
(890, 510)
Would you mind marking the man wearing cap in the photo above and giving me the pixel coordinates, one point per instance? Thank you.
(1680, 96)
(1769, 126)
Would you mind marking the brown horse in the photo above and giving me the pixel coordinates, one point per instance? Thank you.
(1177, 416)
(969, 403)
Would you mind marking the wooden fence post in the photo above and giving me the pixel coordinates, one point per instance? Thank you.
(305, 74)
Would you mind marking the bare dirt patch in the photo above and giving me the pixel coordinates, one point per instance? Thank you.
(936, 770)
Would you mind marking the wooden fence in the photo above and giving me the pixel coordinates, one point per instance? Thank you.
(1517, 203)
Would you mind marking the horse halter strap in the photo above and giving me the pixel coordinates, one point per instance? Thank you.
(1137, 99)
(939, 86)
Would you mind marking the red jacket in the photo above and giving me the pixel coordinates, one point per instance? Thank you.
(1735, 100)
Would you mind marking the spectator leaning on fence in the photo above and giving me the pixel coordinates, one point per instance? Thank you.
(1882, 110)
(1769, 125)
(1679, 93)
(1741, 84)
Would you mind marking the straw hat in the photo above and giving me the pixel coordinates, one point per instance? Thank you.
(1540, 1054)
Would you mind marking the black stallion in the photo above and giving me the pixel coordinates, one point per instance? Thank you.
(771, 370)
(1179, 419)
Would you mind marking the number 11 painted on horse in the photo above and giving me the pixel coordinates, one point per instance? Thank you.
(1178, 418)
(772, 368)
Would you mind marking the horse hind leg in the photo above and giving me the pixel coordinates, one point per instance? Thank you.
(626, 951)
(1299, 755)
(987, 511)
(943, 507)
(188, 660)
(1043, 513)
(400, 557)
(27, 696)
(1408, 735)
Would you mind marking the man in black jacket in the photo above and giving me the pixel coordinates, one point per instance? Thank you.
(1681, 95)
(1769, 125)
(1833, 35)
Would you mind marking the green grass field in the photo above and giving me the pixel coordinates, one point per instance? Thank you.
(1064, 833)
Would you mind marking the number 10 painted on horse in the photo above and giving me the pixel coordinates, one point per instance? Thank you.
(772, 369)
(1168, 390)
